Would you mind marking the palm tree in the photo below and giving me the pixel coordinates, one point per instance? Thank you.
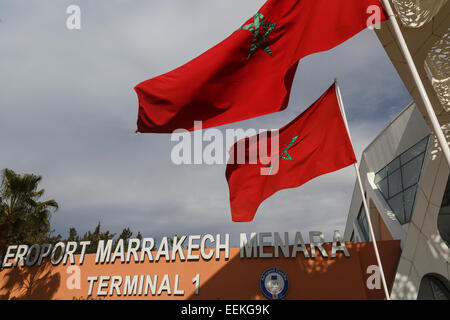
(23, 218)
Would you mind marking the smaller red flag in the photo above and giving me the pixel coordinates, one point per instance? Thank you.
(314, 143)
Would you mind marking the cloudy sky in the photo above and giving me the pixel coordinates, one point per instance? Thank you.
(68, 112)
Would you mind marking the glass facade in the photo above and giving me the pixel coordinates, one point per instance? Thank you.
(433, 288)
(443, 222)
(352, 237)
(362, 224)
(398, 180)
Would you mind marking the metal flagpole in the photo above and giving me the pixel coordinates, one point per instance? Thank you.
(415, 74)
(366, 207)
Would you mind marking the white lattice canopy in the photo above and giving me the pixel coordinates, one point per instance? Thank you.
(416, 13)
(437, 65)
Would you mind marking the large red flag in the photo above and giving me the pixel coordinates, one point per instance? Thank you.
(250, 73)
(314, 143)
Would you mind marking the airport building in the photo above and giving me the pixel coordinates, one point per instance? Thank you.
(405, 175)
(406, 184)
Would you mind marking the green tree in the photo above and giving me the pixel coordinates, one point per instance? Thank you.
(73, 235)
(95, 236)
(24, 218)
(125, 235)
(171, 240)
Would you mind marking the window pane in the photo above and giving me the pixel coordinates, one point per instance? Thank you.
(395, 183)
(443, 222)
(439, 291)
(425, 291)
(433, 288)
(363, 233)
(414, 151)
(444, 225)
(396, 204)
(394, 165)
(446, 197)
(362, 223)
(381, 175)
(366, 226)
(383, 186)
(409, 196)
(411, 171)
(398, 181)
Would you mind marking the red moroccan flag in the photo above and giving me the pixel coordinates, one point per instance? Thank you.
(250, 73)
(314, 143)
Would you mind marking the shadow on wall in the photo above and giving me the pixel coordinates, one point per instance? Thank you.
(37, 282)
(319, 278)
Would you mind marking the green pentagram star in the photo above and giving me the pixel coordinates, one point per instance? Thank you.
(260, 40)
(284, 155)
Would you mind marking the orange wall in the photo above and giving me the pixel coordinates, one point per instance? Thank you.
(235, 278)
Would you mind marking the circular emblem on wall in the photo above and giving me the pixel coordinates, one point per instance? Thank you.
(274, 283)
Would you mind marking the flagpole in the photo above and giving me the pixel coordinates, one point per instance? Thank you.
(418, 82)
(366, 207)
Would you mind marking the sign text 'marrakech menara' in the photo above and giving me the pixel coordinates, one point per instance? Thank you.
(184, 248)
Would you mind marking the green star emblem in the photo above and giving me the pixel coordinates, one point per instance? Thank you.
(285, 154)
(260, 39)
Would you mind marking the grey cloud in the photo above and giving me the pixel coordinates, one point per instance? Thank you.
(68, 112)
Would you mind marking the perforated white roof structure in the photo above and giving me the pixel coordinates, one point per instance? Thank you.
(425, 25)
